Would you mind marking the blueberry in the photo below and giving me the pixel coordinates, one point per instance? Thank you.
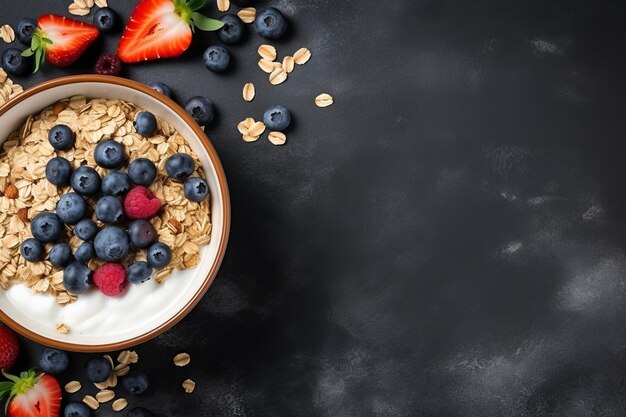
(270, 23)
(196, 189)
(86, 229)
(58, 171)
(179, 166)
(85, 252)
(85, 180)
(109, 209)
(201, 109)
(14, 63)
(142, 233)
(60, 255)
(159, 255)
(77, 277)
(135, 382)
(161, 88)
(115, 183)
(139, 272)
(140, 412)
(71, 208)
(232, 31)
(105, 19)
(109, 154)
(61, 137)
(32, 250)
(216, 58)
(46, 227)
(76, 409)
(53, 361)
(98, 369)
(25, 29)
(112, 244)
(142, 171)
(277, 118)
(145, 123)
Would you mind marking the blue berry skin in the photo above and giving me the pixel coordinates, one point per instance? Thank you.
(85, 252)
(159, 255)
(112, 244)
(105, 19)
(142, 233)
(109, 154)
(201, 109)
(145, 123)
(86, 229)
(115, 183)
(32, 250)
(277, 118)
(71, 208)
(179, 166)
(216, 58)
(109, 209)
(46, 227)
(135, 382)
(53, 361)
(85, 181)
(196, 189)
(232, 31)
(14, 63)
(98, 370)
(58, 171)
(142, 171)
(76, 409)
(161, 88)
(60, 255)
(25, 29)
(61, 137)
(140, 412)
(139, 272)
(270, 23)
(77, 277)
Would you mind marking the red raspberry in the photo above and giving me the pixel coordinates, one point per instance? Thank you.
(108, 64)
(140, 203)
(110, 278)
(9, 348)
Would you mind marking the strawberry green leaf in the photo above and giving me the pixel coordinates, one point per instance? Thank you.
(28, 52)
(196, 4)
(205, 23)
(40, 57)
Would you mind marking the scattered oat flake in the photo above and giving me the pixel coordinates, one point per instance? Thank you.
(267, 52)
(112, 380)
(189, 386)
(63, 328)
(78, 10)
(119, 404)
(124, 357)
(288, 64)
(72, 387)
(256, 129)
(302, 56)
(247, 14)
(109, 359)
(277, 138)
(91, 402)
(248, 92)
(133, 357)
(248, 138)
(182, 359)
(267, 65)
(7, 34)
(278, 76)
(245, 125)
(223, 5)
(101, 3)
(324, 100)
(101, 385)
(121, 369)
(105, 396)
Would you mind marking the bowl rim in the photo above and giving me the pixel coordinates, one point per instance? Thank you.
(223, 191)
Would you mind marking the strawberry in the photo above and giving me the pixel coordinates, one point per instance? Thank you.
(9, 348)
(162, 29)
(31, 395)
(60, 40)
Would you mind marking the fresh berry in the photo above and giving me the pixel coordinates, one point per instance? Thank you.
(71, 208)
(46, 227)
(85, 252)
(277, 118)
(142, 233)
(77, 277)
(232, 32)
(9, 348)
(140, 412)
(98, 369)
(142, 171)
(58, 171)
(145, 123)
(216, 58)
(112, 244)
(159, 255)
(110, 279)
(139, 272)
(109, 209)
(60, 40)
(14, 62)
(61, 137)
(53, 361)
(109, 154)
(25, 29)
(85, 181)
(105, 19)
(108, 64)
(161, 88)
(270, 23)
(196, 189)
(201, 109)
(135, 382)
(115, 183)
(60, 255)
(32, 250)
(76, 409)
(162, 29)
(179, 166)
(140, 203)
(86, 229)
(31, 395)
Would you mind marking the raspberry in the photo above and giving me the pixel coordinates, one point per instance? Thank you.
(140, 203)
(110, 278)
(108, 64)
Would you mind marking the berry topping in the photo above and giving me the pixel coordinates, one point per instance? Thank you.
(232, 31)
(135, 382)
(159, 255)
(179, 166)
(140, 203)
(85, 180)
(109, 154)
(161, 88)
(58, 171)
(76, 277)
(110, 279)
(86, 229)
(196, 189)
(60, 255)
(32, 250)
(115, 183)
(142, 233)
(145, 123)
(108, 64)
(46, 227)
(112, 244)
(71, 208)
(109, 209)
(85, 252)
(61, 137)
(142, 171)
(139, 272)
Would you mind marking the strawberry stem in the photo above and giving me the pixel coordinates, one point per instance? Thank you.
(187, 10)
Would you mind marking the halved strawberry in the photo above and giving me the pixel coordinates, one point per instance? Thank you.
(162, 29)
(31, 395)
(60, 40)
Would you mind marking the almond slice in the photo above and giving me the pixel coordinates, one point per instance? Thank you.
(7, 34)
(247, 14)
(182, 359)
(302, 56)
(324, 100)
(277, 138)
(223, 5)
(288, 64)
(267, 52)
(267, 65)
(72, 387)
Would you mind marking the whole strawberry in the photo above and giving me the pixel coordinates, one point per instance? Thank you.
(31, 394)
(9, 348)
